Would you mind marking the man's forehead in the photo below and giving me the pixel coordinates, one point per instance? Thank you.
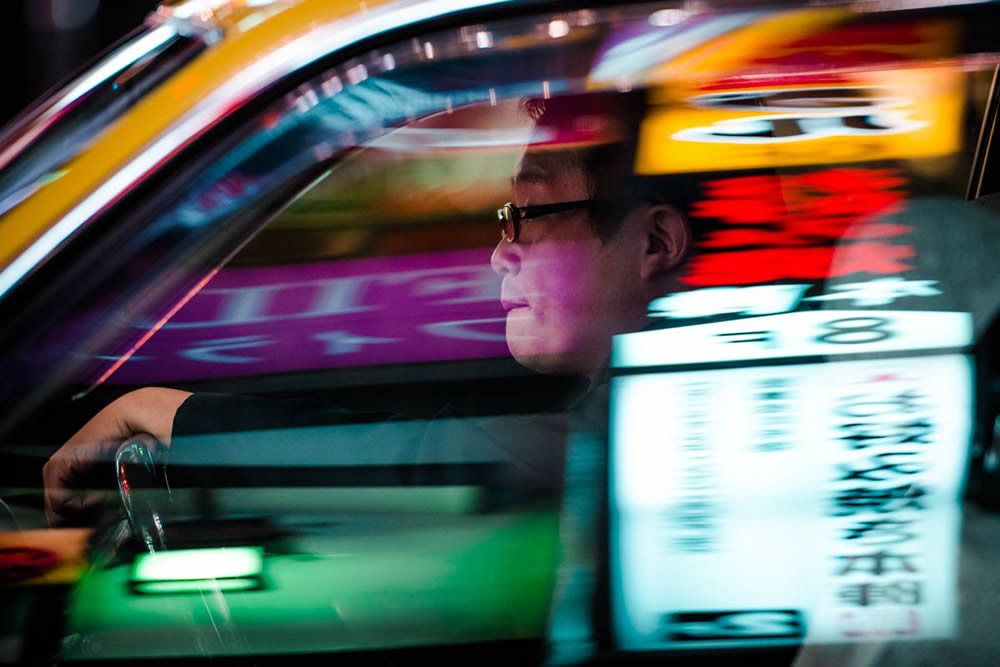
(544, 166)
(577, 120)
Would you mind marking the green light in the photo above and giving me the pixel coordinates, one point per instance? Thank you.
(198, 564)
(195, 586)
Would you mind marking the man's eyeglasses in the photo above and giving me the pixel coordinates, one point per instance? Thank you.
(511, 217)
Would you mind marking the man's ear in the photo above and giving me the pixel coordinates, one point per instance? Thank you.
(668, 239)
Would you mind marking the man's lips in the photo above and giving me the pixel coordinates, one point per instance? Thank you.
(511, 297)
(511, 304)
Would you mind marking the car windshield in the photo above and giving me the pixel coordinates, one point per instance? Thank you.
(614, 333)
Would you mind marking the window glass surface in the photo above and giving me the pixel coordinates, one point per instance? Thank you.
(33, 148)
(592, 335)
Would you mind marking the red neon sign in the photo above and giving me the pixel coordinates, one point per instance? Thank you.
(788, 227)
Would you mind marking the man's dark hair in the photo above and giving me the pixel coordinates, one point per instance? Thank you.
(606, 159)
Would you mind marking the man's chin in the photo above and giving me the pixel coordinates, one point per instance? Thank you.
(552, 363)
(531, 348)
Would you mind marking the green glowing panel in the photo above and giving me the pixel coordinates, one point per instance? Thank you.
(198, 564)
(374, 583)
(195, 586)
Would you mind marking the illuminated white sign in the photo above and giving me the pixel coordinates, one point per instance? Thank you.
(880, 291)
(712, 301)
(774, 129)
(799, 334)
(774, 299)
(788, 503)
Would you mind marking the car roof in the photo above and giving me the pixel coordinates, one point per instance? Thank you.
(253, 44)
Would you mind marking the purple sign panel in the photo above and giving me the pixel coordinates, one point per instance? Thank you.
(383, 310)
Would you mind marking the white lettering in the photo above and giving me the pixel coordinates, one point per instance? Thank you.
(880, 291)
(759, 300)
(342, 342)
(460, 329)
(340, 296)
(211, 350)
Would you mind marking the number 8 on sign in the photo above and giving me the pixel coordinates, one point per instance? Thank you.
(799, 334)
(855, 330)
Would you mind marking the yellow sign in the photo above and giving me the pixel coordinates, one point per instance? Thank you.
(802, 88)
(916, 116)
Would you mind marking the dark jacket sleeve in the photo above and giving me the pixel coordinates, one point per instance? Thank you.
(205, 413)
(235, 440)
(222, 439)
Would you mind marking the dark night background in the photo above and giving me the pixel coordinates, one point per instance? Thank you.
(44, 41)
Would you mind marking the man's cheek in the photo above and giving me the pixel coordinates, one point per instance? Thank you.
(531, 332)
(522, 326)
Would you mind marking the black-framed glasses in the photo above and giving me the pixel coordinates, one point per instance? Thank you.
(511, 217)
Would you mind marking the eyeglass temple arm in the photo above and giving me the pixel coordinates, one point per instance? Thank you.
(526, 212)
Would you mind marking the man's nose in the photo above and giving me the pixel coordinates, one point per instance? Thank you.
(506, 258)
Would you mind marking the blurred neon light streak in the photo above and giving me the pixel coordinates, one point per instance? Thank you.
(114, 64)
(152, 330)
(257, 76)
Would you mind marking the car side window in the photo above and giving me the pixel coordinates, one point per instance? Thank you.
(617, 295)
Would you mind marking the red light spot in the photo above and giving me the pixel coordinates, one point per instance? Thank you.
(17, 563)
(885, 377)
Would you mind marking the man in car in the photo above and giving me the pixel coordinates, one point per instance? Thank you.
(585, 246)
(575, 277)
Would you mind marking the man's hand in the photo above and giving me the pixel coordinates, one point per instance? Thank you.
(70, 494)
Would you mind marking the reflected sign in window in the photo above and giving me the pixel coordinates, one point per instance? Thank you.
(759, 499)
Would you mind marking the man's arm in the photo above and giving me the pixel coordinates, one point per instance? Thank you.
(147, 413)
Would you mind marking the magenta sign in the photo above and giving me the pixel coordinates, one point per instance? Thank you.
(384, 310)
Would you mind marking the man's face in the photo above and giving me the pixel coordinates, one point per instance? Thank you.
(565, 291)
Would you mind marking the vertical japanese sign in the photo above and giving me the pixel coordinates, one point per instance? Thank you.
(894, 502)
(776, 503)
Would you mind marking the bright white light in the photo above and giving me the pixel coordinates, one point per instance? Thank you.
(388, 62)
(311, 96)
(188, 564)
(586, 17)
(484, 40)
(357, 74)
(118, 61)
(331, 86)
(558, 28)
(711, 301)
(429, 50)
(666, 17)
(195, 8)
